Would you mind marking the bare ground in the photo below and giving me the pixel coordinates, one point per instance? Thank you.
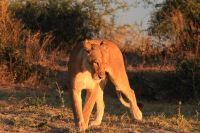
(25, 109)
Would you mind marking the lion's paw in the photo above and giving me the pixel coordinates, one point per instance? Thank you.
(95, 123)
(82, 126)
(138, 116)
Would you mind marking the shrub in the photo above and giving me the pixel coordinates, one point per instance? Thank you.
(20, 49)
(188, 72)
(69, 21)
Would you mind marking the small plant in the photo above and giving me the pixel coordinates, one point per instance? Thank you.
(197, 115)
(181, 121)
(197, 111)
(179, 109)
(37, 101)
(60, 92)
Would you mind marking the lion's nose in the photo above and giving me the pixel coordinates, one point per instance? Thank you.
(100, 76)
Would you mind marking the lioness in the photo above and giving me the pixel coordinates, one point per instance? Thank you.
(89, 66)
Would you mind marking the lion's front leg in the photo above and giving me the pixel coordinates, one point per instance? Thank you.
(100, 109)
(78, 114)
(90, 102)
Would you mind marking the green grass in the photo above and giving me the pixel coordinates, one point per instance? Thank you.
(34, 111)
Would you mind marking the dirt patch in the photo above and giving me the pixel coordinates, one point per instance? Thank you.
(23, 110)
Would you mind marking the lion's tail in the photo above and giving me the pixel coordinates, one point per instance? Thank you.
(126, 104)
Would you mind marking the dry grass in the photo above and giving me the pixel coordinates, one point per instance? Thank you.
(27, 108)
(158, 68)
(34, 111)
(20, 48)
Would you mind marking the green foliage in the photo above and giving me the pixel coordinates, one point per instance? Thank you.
(161, 21)
(69, 21)
(178, 20)
(188, 73)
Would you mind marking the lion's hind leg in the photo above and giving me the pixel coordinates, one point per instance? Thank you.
(134, 109)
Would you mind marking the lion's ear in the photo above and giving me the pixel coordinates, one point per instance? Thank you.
(101, 43)
(87, 46)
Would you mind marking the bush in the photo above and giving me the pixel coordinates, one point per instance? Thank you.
(20, 49)
(69, 21)
(188, 72)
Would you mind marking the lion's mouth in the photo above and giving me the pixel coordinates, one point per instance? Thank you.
(98, 78)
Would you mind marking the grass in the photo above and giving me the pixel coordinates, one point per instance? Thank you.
(36, 111)
(26, 109)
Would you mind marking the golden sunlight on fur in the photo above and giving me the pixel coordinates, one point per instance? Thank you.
(89, 66)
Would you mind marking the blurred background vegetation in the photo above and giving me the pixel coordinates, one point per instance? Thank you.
(36, 37)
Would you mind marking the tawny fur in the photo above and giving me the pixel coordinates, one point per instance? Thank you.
(85, 73)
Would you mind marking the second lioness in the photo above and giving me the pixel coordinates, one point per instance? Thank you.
(88, 67)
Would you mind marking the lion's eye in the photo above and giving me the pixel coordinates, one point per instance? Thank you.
(96, 63)
(88, 51)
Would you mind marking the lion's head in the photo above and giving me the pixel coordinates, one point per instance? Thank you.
(95, 59)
